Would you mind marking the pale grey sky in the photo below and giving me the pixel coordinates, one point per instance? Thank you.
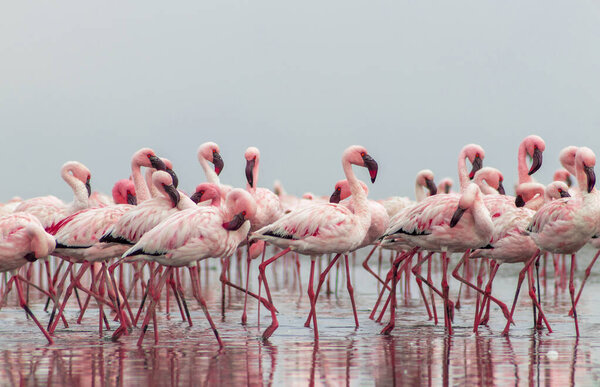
(413, 81)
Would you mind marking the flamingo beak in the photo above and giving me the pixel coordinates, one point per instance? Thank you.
(88, 186)
(519, 202)
(501, 190)
(447, 188)
(173, 176)
(30, 257)
(157, 163)
(564, 194)
(235, 223)
(371, 165)
(477, 164)
(249, 170)
(335, 196)
(131, 199)
(431, 187)
(173, 194)
(591, 178)
(197, 196)
(457, 215)
(537, 161)
(218, 163)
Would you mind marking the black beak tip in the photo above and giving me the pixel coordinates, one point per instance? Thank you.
(537, 161)
(519, 202)
(335, 197)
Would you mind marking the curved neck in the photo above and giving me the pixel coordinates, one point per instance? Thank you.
(211, 175)
(80, 195)
(581, 180)
(141, 189)
(419, 192)
(359, 197)
(485, 188)
(151, 187)
(463, 174)
(522, 165)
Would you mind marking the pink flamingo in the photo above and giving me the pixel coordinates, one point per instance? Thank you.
(321, 228)
(268, 207)
(144, 157)
(510, 244)
(532, 146)
(49, 209)
(432, 213)
(379, 223)
(563, 226)
(210, 152)
(22, 240)
(195, 234)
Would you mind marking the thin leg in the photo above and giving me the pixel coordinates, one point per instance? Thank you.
(321, 280)
(521, 278)
(588, 271)
(350, 290)
(311, 297)
(202, 302)
(261, 268)
(23, 304)
(572, 292)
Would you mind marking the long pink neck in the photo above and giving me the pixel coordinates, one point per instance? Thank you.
(211, 175)
(419, 191)
(80, 195)
(522, 165)
(151, 188)
(359, 197)
(141, 189)
(463, 174)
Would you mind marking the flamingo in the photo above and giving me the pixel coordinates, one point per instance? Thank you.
(195, 234)
(563, 226)
(510, 244)
(563, 175)
(426, 227)
(49, 209)
(23, 240)
(268, 207)
(144, 157)
(379, 223)
(321, 228)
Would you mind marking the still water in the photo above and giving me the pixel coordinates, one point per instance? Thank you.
(417, 353)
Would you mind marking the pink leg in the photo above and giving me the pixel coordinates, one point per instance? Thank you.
(588, 271)
(423, 296)
(350, 290)
(202, 302)
(390, 326)
(321, 280)
(521, 278)
(23, 304)
(449, 314)
(311, 297)
(151, 307)
(534, 299)
(405, 259)
(366, 265)
(261, 268)
(429, 280)
(248, 262)
(572, 292)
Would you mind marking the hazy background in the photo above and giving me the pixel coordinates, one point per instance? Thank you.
(413, 81)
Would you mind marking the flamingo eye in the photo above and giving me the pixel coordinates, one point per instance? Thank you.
(338, 189)
(244, 213)
(560, 190)
(129, 192)
(477, 155)
(501, 179)
(363, 154)
(201, 192)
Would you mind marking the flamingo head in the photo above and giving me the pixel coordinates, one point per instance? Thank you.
(534, 146)
(123, 192)
(164, 183)
(586, 160)
(475, 154)
(564, 176)
(567, 158)
(80, 172)
(445, 185)
(492, 176)
(146, 157)
(252, 156)
(42, 244)
(358, 155)
(241, 206)
(255, 248)
(425, 179)
(210, 151)
(556, 190)
(342, 191)
(466, 201)
(527, 191)
(207, 191)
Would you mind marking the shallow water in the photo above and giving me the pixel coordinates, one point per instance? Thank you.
(417, 353)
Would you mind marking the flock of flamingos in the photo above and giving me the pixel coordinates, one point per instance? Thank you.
(149, 226)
